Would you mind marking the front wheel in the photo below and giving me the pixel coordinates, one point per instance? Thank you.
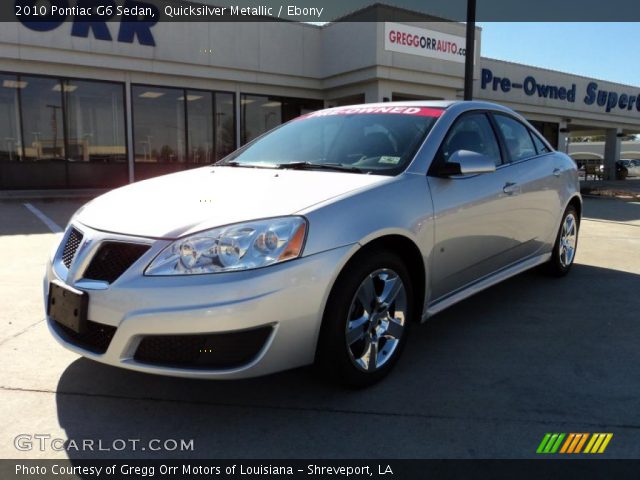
(564, 250)
(365, 323)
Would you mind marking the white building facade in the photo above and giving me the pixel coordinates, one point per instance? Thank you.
(89, 106)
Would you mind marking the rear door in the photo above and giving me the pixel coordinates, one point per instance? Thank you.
(478, 220)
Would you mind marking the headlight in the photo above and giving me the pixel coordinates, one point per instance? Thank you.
(236, 247)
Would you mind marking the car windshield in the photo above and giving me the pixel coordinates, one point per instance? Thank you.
(377, 140)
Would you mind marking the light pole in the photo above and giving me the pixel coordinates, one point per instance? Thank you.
(470, 49)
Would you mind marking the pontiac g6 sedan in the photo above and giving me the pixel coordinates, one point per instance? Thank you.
(319, 242)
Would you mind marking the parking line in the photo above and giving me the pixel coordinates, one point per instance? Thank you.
(53, 226)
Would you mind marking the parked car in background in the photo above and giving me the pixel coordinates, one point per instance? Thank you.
(631, 168)
(590, 169)
(320, 242)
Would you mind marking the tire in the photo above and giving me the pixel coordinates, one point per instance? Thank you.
(359, 320)
(622, 173)
(566, 244)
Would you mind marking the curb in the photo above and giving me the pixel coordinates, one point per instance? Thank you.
(49, 195)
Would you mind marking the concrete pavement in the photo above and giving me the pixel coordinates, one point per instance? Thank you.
(484, 379)
(628, 189)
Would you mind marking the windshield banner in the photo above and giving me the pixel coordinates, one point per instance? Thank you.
(419, 111)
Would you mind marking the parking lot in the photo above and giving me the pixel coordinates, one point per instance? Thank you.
(484, 379)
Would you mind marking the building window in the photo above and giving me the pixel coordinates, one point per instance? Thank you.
(261, 113)
(44, 160)
(11, 136)
(42, 119)
(158, 130)
(96, 134)
(177, 128)
(211, 126)
(200, 119)
(225, 123)
(61, 133)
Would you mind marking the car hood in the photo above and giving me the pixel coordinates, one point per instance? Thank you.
(187, 202)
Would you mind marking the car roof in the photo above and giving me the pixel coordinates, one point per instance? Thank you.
(445, 104)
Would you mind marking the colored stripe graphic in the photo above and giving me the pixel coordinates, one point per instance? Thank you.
(574, 443)
(605, 443)
(591, 443)
(550, 443)
(598, 443)
(567, 443)
(577, 441)
(543, 443)
(581, 443)
(556, 445)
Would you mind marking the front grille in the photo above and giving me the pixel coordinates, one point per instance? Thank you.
(73, 242)
(96, 337)
(112, 259)
(214, 350)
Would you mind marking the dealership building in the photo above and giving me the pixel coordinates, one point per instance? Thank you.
(99, 105)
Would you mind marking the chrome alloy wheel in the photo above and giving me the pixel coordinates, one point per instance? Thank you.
(376, 320)
(568, 240)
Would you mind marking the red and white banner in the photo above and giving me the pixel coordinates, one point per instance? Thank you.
(362, 110)
(427, 43)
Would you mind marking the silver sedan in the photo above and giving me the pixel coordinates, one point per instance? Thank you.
(319, 242)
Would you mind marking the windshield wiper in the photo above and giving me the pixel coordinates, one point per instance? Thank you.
(338, 167)
(233, 163)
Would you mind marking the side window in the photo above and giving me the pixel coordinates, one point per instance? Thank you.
(472, 132)
(516, 136)
(540, 146)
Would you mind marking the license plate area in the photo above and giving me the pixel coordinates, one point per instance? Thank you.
(68, 307)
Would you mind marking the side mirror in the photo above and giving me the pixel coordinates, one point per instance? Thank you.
(466, 162)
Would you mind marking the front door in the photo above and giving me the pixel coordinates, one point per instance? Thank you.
(477, 217)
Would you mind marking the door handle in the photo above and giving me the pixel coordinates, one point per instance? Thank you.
(557, 172)
(510, 188)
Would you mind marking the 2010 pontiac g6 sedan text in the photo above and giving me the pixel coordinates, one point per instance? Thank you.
(319, 242)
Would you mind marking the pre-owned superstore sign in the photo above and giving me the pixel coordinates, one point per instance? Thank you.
(423, 42)
(593, 95)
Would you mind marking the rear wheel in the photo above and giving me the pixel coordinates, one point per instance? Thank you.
(365, 323)
(564, 250)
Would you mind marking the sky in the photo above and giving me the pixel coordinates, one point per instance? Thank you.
(605, 51)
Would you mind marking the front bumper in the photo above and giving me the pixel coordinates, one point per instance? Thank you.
(289, 298)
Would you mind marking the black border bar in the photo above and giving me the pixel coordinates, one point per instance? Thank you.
(318, 469)
(323, 10)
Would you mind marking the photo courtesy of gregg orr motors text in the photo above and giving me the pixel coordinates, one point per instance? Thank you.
(210, 470)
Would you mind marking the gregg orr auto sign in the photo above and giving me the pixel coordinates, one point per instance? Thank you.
(423, 42)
